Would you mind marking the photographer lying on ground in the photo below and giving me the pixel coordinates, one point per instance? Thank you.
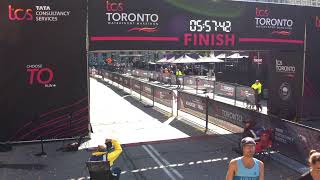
(109, 153)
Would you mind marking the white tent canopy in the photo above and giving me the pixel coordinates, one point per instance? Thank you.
(184, 59)
(237, 56)
(162, 60)
(165, 60)
(171, 60)
(221, 56)
(210, 59)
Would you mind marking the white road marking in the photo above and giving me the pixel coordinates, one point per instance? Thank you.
(158, 162)
(165, 161)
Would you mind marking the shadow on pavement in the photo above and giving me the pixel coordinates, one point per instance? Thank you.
(153, 112)
(23, 166)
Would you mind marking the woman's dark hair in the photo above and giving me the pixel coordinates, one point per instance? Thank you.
(314, 157)
(312, 152)
(109, 145)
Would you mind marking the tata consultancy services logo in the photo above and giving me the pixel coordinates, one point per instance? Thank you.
(114, 6)
(37, 13)
(264, 20)
(19, 14)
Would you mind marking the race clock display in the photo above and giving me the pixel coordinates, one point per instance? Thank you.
(210, 26)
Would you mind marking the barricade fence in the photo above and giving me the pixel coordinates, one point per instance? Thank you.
(156, 94)
(234, 91)
(291, 139)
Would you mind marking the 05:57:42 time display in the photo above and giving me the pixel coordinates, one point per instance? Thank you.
(209, 26)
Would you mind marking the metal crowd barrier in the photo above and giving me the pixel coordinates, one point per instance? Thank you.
(233, 91)
(156, 94)
(291, 139)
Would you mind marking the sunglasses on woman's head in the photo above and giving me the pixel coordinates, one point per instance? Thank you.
(315, 160)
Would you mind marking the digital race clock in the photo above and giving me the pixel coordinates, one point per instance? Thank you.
(209, 26)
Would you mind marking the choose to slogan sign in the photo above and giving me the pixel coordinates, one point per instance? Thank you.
(43, 69)
(193, 25)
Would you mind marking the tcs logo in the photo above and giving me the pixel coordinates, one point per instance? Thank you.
(317, 21)
(114, 6)
(40, 75)
(19, 14)
(262, 12)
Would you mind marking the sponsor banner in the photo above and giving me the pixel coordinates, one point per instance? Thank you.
(291, 139)
(285, 89)
(155, 75)
(136, 85)
(190, 81)
(139, 73)
(95, 71)
(132, 72)
(126, 82)
(44, 69)
(228, 113)
(195, 105)
(258, 61)
(147, 90)
(135, 73)
(311, 93)
(245, 94)
(106, 75)
(173, 79)
(285, 137)
(242, 93)
(111, 76)
(145, 74)
(150, 74)
(120, 79)
(163, 96)
(206, 84)
(115, 78)
(304, 138)
(225, 89)
(127, 71)
(103, 73)
(46, 13)
(158, 76)
(289, 136)
(173, 25)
